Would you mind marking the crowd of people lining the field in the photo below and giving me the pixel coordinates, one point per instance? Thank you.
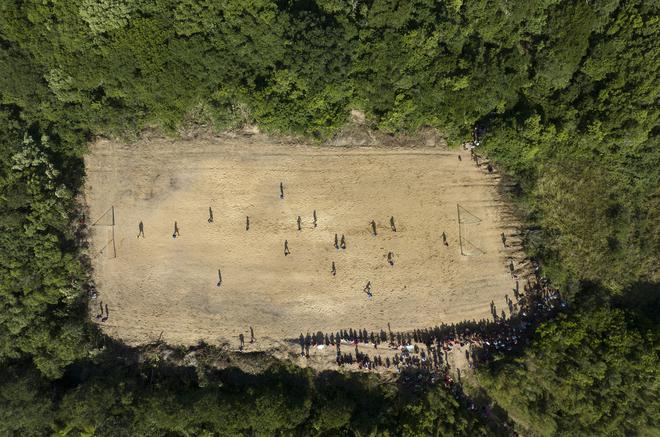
(427, 348)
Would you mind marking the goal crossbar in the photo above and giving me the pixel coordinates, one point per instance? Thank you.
(108, 214)
(466, 217)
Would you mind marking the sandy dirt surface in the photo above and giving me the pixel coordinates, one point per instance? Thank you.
(159, 284)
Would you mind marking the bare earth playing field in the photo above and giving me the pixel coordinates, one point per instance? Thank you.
(163, 284)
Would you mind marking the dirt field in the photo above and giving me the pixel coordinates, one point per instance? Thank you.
(163, 284)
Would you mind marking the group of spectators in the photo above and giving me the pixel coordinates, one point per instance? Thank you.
(428, 348)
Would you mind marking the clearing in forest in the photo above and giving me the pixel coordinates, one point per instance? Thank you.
(154, 283)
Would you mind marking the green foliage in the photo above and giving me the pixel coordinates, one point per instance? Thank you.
(615, 241)
(40, 282)
(193, 16)
(432, 416)
(116, 401)
(588, 373)
(104, 16)
(588, 155)
(567, 90)
(25, 406)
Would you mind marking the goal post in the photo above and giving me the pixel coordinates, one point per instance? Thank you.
(468, 232)
(107, 220)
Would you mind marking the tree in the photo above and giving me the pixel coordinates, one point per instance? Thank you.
(585, 373)
(40, 284)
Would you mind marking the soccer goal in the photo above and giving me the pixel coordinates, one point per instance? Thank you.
(107, 221)
(469, 235)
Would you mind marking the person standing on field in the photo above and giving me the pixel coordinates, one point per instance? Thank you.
(343, 242)
(373, 228)
(336, 242)
(219, 278)
(241, 338)
(281, 190)
(314, 215)
(176, 230)
(286, 248)
(140, 230)
(247, 222)
(210, 220)
(299, 221)
(333, 270)
(392, 224)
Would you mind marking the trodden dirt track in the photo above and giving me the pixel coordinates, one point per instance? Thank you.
(161, 284)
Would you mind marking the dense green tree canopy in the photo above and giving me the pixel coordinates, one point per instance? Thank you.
(587, 374)
(113, 400)
(567, 92)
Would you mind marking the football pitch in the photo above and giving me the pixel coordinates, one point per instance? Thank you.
(212, 278)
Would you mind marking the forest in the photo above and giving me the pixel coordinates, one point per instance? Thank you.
(565, 93)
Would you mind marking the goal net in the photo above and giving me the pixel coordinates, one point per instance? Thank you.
(469, 232)
(105, 225)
